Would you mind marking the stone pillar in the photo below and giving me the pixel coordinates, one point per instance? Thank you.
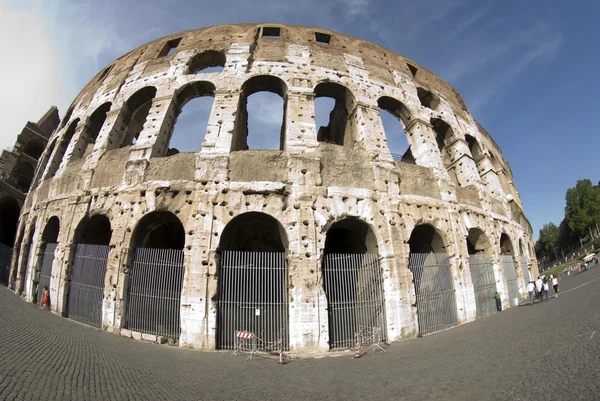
(110, 136)
(221, 124)
(195, 331)
(462, 161)
(370, 134)
(309, 324)
(301, 132)
(421, 138)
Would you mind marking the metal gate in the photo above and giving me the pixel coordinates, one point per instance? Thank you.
(154, 296)
(253, 297)
(434, 287)
(484, 284)
(45, 270)
(5, 255)
(86, 289)
(512, 282)
(353, 284)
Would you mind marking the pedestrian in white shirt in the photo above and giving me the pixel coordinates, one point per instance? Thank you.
(555, 285)
(531, 291)
(539, 287)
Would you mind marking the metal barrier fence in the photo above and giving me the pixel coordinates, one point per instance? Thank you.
(154, 296)
(45, 270)
(353, 284)
(253, 297)
(434, 287)
(512, 282)
(86, 288)
(484, 284)
(5, 255)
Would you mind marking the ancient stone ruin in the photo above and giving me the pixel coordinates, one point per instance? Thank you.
(299, 247)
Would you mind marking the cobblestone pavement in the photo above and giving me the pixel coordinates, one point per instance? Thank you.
(549, 351)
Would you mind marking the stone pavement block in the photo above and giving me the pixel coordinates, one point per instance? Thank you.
(508, 356)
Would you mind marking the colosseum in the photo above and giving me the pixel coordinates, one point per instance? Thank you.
(304, 245)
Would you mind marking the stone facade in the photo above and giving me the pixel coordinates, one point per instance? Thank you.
(455, 181)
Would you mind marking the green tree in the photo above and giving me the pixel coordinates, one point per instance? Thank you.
(583, 207)
(547, 241)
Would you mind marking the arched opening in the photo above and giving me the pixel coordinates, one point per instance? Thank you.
(192, 108)
(338, 130)
(507, 254)
(353, 283)
(62, 148)
(66, 117)
(34, 149)
(443, 133)
(134, 114)
(474, 147)
(92, 129)
(9, 218)
(393, 112)
(156, 275)
(259, 115)
(481, 266)
(428, 99)
(47, 249)
(500, 172)
(21, 176)
(207, 62)
(253, 282)
(433, 279)
(26, 264)
(86, 281)
(44, 162)
(16, 248)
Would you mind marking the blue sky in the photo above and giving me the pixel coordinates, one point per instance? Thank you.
(526, 69)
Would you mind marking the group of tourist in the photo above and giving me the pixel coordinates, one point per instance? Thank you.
(541, 287)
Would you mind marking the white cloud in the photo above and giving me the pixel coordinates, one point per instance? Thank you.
(30, 73)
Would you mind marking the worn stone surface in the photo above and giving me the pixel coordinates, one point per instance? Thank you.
(111, 156)
(548, 351)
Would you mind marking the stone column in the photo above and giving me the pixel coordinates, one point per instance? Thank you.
(110, 136)
(462, 161)
(301, 131)
(370, 133)
(195, 331)
(221, 124)
(309, 325)
(421, 137)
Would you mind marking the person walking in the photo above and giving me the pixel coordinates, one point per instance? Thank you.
(554, 285)
(498, 302)
(531, 291)
(539, 287)
(46, 299)
(546, 287)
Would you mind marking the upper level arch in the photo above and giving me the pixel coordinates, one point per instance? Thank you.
(93, 126)
(258, 83)
(60, 151)
(34, 148)
(396, 134)
(207, 61)
(189, 126)
(133, 115)
(338, 131)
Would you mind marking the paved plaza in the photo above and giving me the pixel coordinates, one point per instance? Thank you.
(549, 351)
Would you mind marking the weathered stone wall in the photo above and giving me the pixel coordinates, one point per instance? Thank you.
(307, 186)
